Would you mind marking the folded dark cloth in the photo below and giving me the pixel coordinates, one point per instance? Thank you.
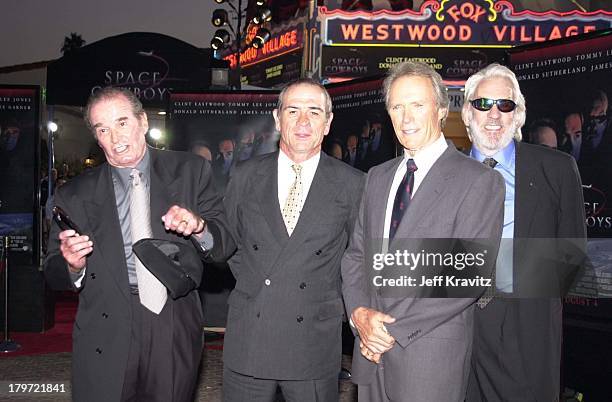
(177, 265)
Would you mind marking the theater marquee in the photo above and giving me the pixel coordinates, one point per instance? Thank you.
(451, 23)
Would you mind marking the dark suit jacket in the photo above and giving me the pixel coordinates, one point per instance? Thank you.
(285, 313)
(101, 337)
(458, 199)
(548, 205)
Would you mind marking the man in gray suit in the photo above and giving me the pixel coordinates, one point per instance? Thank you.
(291, 213)
(412, 348)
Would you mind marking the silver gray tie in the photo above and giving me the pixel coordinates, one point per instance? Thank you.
(291, 211)
(152, 293)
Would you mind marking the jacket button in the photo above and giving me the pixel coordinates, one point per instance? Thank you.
(104, 315)
(258, 314)
(303, 285)
(99, 351)
(267, 282)
(255, 247)
(92, 275)
(299, 318)
(318, 252)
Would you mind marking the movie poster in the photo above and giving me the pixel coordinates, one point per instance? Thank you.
(19, 139)
(361, 133)
(567, 87)
(225, 129)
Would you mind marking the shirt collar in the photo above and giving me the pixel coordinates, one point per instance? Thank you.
(123, 174)
(505, 156)
(285, 161)
(428, 155)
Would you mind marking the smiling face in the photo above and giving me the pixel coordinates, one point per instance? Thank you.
(119, 132)
(415, 116)
(491, 130)
(302, 122)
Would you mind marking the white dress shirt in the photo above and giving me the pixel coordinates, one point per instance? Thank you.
(286, 177)
(424, 160)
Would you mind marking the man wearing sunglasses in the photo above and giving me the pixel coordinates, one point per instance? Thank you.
(517, 334)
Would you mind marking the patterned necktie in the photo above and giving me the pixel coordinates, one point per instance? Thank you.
(490, 291)
(291, 211)
(402, 197)
(152, 293)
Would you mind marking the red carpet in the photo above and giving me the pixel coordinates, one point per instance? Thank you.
(59, 338)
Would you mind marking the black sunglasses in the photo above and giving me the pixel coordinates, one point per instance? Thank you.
(485, 104)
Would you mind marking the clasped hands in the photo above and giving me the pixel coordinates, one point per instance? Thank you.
(75, 247)
(374, 339)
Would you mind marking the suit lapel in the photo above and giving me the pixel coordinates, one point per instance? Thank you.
(101, 212)
(378, 204)
(267, 196)
(163, 190)
(526, 193)
(428, 193)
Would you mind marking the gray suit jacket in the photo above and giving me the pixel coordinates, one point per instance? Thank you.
(459, 198)
(101, 335)
(285, 313)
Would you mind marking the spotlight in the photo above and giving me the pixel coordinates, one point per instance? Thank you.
(262, 36)
(263, 15)
(219, 17)
(52, 126)
(219, 1)
(259, 3)
(221, 38)
(155, 133)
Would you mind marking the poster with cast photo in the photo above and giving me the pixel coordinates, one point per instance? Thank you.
(19, 147)
(567, 85)
(361, 133)
(224, 128)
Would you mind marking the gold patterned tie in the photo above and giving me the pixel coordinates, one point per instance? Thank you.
(291, 211)
(152, 293)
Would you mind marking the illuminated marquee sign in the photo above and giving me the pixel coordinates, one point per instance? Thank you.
(456, 23)
(280, 43)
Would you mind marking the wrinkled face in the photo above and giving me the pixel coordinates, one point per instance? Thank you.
(414, 113)
(302, 122)
(351, 143)
(599, 108)
(491, 130)
(120, 133)
(573, 126)
(546, 136)
(203, 151)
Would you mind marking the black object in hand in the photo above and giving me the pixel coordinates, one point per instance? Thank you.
(63, 220)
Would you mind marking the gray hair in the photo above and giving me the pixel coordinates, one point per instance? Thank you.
(108, 93)
(497, 71)
(305, 81)
(418, 69)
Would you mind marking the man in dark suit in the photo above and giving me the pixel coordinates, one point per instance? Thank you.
(291, 213)
(411, 348)
(128, 346)
(517, 335)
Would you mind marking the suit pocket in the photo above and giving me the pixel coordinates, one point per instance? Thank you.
(448, 331)
(330, 309)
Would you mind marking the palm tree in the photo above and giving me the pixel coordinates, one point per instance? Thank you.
(72, 42)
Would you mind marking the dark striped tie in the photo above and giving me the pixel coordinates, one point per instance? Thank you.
(402, 197)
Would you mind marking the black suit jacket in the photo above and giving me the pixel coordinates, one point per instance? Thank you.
(285, 313)
(101, 335)
(549, 243)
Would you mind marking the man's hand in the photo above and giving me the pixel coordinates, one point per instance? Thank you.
(75, 249)
(183, 221)
(368, 354)
(373, 335)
